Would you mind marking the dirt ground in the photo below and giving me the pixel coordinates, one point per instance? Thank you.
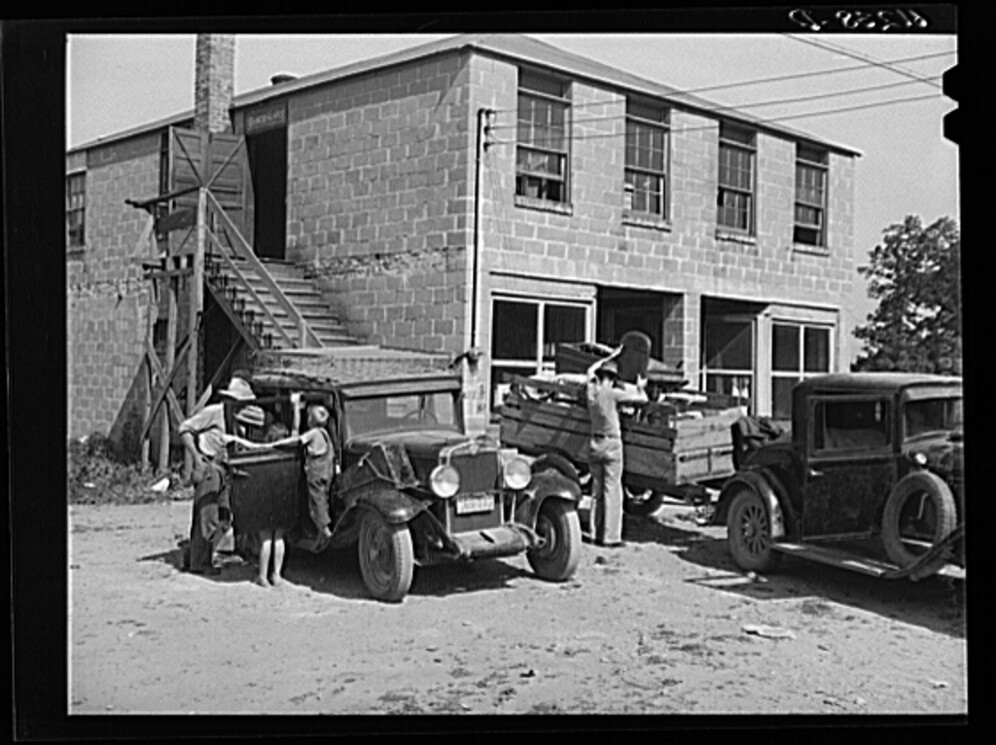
(663, 625)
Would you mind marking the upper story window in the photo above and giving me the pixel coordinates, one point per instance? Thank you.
(735, 201)
(646, 158)
(542, 149)
(75, 209)
(810, 195)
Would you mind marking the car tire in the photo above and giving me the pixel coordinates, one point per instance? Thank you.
(642, 503)
(748, 532)
(558, 523)
(920, 506)
(387, 559)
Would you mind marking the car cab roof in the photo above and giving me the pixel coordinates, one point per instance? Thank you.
(874, 382)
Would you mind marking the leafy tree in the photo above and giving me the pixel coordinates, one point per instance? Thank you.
(914, 274)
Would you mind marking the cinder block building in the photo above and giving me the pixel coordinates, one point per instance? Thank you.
(496, 192)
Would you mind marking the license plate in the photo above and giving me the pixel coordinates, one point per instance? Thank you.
(476, 503)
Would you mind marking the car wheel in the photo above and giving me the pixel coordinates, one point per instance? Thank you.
(387, 560)
(920, 512)
(642, 503)
(559, 526)
(748, 532)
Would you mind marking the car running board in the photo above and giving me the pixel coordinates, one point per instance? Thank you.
(867, 565)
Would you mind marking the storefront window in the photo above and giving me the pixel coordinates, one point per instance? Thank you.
(729, 357)
(797, 351)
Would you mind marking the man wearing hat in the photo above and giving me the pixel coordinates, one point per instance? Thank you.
(205, 436)
(604, 394)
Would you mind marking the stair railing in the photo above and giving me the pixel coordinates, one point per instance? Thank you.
(238, 245)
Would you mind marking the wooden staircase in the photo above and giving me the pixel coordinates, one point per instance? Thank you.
(254, 301)
(271, 303)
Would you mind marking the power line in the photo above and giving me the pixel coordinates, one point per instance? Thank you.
(769, 79)
(759, 122)
(827, 46)
(757, 104)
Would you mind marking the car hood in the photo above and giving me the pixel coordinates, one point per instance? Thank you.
(422, 444)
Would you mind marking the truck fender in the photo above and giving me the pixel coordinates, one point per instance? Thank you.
(757, 483)
(393, 505)
(546, 484)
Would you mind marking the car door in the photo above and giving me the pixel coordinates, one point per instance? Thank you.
(851, 463)
(266, 484)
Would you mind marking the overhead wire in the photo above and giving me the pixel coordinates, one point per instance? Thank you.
(771, 79)
(827, 46)
(758, 122)
(758, 104)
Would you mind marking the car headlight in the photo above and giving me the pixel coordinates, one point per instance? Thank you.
(920, 459)
(444, 481)
(517, 473)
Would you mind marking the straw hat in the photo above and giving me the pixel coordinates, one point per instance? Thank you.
(251, 416)
(239, 390)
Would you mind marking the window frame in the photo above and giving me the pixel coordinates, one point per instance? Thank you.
(631, 167)
(821, 167)
(830, 451)
(799, 374)
(727, 142)
(532, 146)
(73, 244)
(536, 364)
(737, 375)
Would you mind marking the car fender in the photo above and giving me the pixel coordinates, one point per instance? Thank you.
(761, 484)
(393, 505)
(549, 483)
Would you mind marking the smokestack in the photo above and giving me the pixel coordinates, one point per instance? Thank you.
(214, 81)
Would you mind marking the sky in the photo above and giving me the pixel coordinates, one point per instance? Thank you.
(906, 166)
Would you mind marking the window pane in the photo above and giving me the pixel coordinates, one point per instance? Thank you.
(737, 386)
(530, 80)
(734, 133)
(728, 345)
(781, 395)
(513, 331)
(853, 425)
(561, 324)
(817, 343)
(785, 348)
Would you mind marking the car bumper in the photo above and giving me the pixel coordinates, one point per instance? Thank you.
(494, 542)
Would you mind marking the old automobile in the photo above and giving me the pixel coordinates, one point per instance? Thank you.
(870, 478)
(412, 488)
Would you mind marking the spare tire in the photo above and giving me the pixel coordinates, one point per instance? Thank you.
(921, 509)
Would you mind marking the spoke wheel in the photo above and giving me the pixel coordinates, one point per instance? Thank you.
(559, 526)
(920, 512)
(748, 532)
(387, 560)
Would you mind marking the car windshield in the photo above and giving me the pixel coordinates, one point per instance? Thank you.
(399, 413)
(932, 415)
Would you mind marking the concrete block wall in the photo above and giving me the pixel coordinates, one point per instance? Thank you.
(107, 298)
(380, 199)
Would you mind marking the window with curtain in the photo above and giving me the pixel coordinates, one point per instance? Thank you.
(542, 147)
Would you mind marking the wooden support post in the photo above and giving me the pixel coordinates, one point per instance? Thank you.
(171, 314)
(196, 300)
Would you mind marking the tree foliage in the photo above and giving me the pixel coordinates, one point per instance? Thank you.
(914, 274)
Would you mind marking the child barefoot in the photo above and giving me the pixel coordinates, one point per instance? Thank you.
(271, 542)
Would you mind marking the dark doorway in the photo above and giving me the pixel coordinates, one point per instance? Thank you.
(267, 153)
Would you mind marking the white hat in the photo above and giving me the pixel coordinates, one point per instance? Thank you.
(252, 416)
(239, 390)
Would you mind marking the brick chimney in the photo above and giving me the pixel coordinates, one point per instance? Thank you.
(214, 81)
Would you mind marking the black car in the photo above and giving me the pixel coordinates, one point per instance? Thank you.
(870, 478)
(412, 488)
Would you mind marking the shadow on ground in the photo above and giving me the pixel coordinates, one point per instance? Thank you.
(936, 603)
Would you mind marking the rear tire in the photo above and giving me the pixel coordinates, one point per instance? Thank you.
(748, 532)
(387, 559)
(558, 523)
(921, 507)
(642, 503)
